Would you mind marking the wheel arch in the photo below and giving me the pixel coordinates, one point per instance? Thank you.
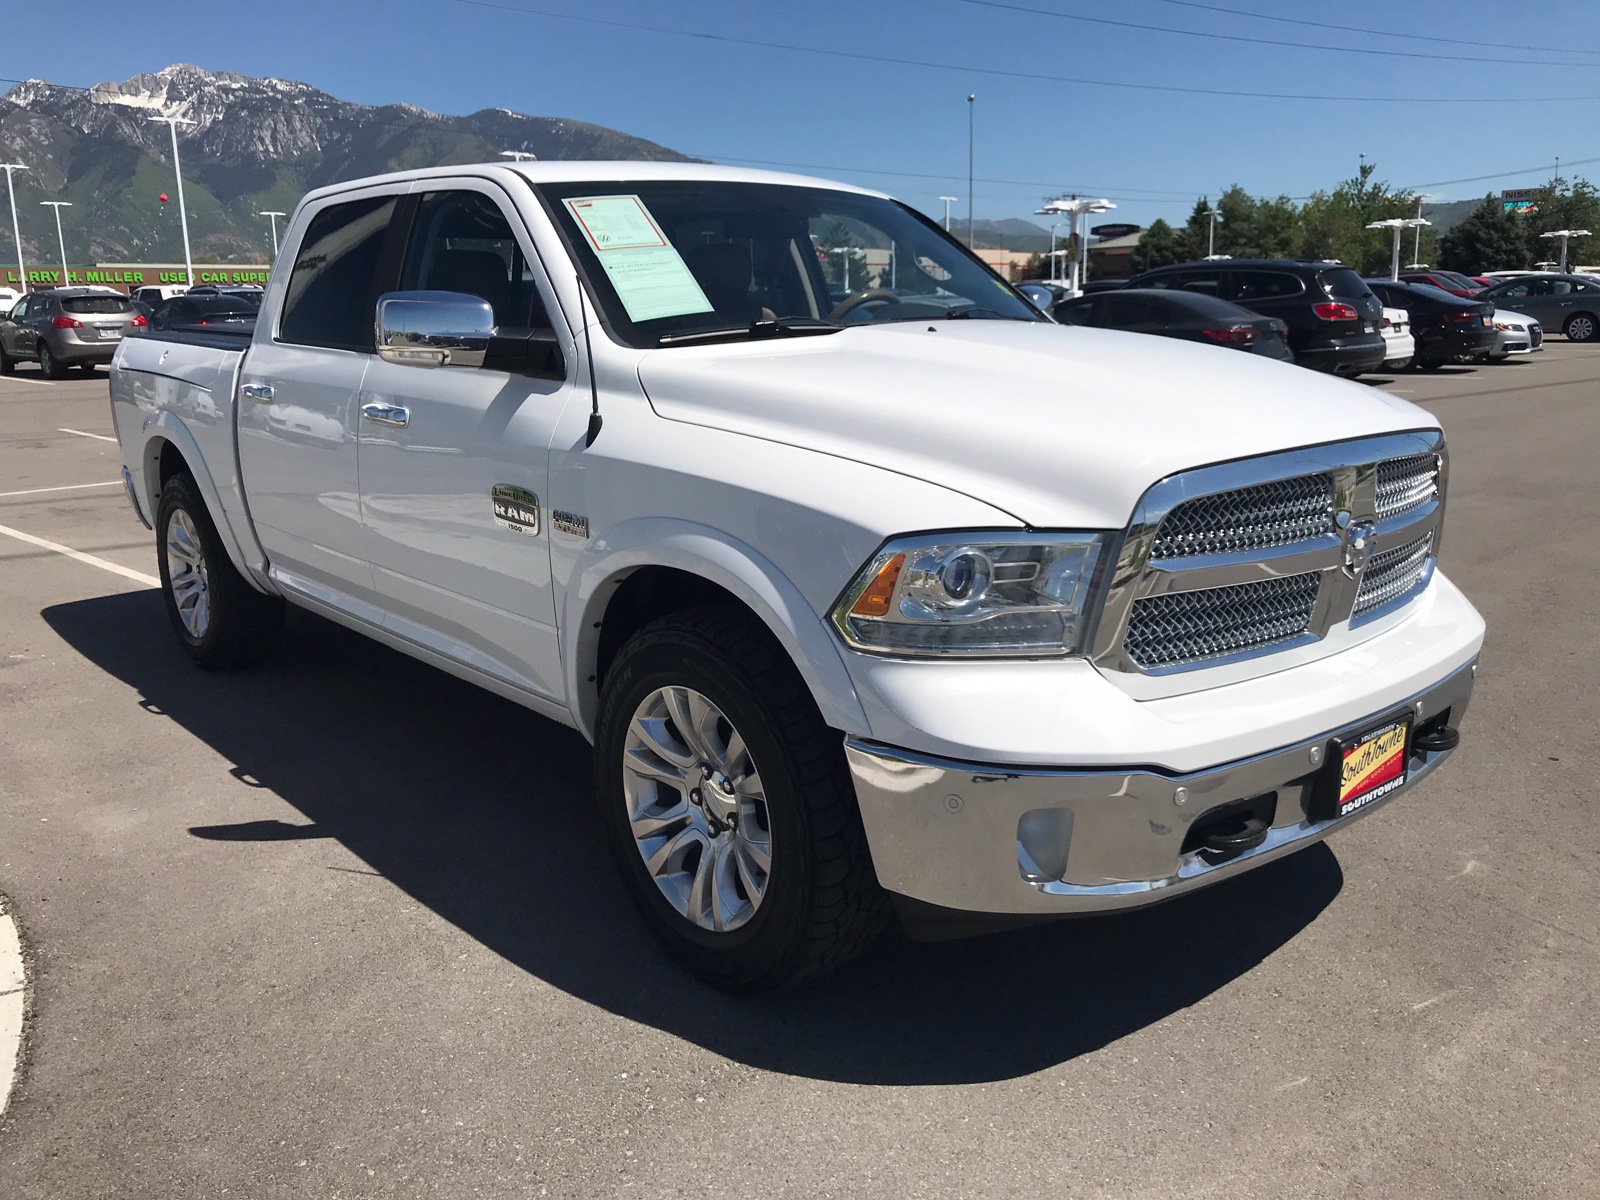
(652, 567)
(170, 448)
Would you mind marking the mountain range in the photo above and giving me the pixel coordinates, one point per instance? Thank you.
(255, 145)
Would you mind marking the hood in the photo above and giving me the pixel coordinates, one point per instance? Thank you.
(1061, 427)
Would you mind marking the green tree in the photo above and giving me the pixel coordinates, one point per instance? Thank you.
(1158, 247)
(1237, 233)
(1488, 239)
(1190, 241)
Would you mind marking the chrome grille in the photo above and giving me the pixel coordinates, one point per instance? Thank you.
(1391, 574)
(1252, 518)
(1535, 336)
(1189, 627)
(1406, 483)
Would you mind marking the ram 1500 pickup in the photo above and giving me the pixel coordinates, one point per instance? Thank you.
(871, 586)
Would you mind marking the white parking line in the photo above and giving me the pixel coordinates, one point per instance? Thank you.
(20, 379)
(12, 983)
(80, 556)
(69, 487)
(100, 437)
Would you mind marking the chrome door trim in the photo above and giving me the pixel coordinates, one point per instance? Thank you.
(1354, 468)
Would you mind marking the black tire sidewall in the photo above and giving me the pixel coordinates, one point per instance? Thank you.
(756, 949)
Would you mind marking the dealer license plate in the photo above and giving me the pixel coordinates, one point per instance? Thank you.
(1365, 768)
(109, 333)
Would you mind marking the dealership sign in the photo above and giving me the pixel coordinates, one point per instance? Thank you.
(1520, 200)
(1114, 231)
(127, 276)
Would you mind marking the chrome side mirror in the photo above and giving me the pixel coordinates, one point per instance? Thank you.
(433, 329)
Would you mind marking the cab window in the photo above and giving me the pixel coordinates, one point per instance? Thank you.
(332, 289)
(462, 242)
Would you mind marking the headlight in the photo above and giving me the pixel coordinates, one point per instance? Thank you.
(974, 594)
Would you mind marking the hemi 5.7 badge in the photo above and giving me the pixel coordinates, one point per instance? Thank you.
(515, 508)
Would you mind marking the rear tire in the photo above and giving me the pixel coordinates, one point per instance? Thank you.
(781, 891)
(1580, 327)
(49, 366)
(221, 621)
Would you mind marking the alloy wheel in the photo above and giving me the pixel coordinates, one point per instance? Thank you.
(697, 809)
(190, 579)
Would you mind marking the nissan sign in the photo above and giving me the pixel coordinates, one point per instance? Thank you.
(1111, 231)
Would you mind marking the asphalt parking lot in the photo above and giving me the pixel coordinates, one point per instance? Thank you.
(343, 926)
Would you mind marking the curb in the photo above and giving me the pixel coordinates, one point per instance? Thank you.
(13, 995)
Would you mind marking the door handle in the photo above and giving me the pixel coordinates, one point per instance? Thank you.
(386, 414)
(257, 391)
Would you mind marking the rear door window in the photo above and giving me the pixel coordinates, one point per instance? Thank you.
(1207, 283)
(333, 288)
(1263, 285)
(1119, 312)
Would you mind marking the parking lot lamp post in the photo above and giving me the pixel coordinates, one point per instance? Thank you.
(16, 231)
(1564, 234)
(972, 104)
(273, 217)
(1416, 238)
(1054, 268)
(1397, 226)
(844, 258)
(172, 124)
(948, 201)
(1071, 206)
(58, 205)
(1211, 234)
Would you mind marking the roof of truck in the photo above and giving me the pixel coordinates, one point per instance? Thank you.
(597, 171)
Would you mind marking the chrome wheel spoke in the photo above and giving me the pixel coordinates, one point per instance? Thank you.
(696, 720)
(653, 823)
(657, 737)
(648, 762)
(667, 858)
(186, 574)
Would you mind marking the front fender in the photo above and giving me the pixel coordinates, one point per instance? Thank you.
(715, 556)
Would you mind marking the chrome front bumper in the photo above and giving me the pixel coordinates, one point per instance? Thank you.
(987, 839)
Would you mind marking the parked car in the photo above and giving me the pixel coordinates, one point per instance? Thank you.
(66, 327)
(153, 293)
(1444, 327)
(863, 603)
(1570, 303)
(1103, 285)
(194, 309)
(1517, 333)
(1331, 315)
(1444, 281)
(1188, 316)
(8, 297)
(1398, 344)
(244, 291)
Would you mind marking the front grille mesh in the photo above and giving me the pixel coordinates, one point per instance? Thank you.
(1187, 627)
(1406, 483)
(1392, 574)
(1251, 518)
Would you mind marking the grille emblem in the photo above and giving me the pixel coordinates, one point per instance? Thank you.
(1357, 538)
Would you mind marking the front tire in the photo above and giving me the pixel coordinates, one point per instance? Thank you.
(728, 804)
(1580, 327)
(8, 365)
(221, 621)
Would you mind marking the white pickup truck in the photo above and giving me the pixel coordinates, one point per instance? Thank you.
(872, 587)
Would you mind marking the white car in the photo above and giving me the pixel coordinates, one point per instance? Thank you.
(1516, 334)
(1399, 347)
(863, 601)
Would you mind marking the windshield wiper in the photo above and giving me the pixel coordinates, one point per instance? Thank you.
(780, 327)
(970, 314)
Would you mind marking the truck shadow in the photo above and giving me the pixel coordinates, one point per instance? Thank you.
(482, 812)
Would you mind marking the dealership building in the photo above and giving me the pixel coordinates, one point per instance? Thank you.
(124, 277)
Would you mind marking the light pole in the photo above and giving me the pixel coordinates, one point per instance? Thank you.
(517, 155)
(16, 231)
(273, 217)
(1054, 225)
(1211, 234)
(1398, 226)
(58, 205)
(172, 124)
(844, 258)
(1416, 238)
(1071, 206)
(972, 104)
(1564, 234)
(948, 201)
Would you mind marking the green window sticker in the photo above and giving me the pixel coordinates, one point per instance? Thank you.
(649, 274)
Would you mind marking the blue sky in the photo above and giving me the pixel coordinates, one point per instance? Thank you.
(904, 128)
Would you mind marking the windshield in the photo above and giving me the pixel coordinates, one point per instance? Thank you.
(669, 258)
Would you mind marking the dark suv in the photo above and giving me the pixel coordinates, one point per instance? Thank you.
(1331, 314)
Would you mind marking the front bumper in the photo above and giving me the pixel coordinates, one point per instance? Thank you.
(988, 839)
